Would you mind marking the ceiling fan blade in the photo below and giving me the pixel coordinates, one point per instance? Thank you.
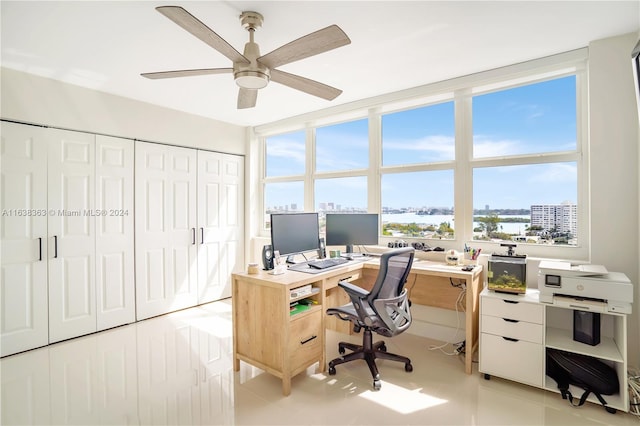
(312, 44)
(200, 30)
(186, 73)
(247, 98)
(306, 85)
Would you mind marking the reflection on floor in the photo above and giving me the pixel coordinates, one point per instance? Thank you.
(177, 369)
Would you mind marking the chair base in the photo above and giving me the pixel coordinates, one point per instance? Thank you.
(369, 352)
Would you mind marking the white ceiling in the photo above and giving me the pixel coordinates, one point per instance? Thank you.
(394, 45)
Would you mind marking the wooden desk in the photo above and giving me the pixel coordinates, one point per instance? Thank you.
(267, 336)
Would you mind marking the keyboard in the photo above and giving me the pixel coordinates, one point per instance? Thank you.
(327, 263)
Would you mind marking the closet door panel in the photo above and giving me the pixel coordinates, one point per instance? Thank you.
(232, 219)
(72, 310)
(23, 234)
(210, 285)
(115, 287)
(221, 223)
(166, 268)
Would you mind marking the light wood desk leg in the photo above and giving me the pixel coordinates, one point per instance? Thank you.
(472, 318)
(286, 385)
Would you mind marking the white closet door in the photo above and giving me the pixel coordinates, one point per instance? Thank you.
(220, 223)
(23, 260)
(72, 298)
(115, 287)
(232, 214)
(165, 229)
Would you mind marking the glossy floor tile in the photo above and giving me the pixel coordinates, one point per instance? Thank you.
(177, 369)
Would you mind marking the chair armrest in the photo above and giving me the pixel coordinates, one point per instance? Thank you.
(353, 290)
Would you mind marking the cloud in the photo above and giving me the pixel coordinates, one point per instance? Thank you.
(429, 148)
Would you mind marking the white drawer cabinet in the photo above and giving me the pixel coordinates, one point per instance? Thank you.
(512, 337)
(516, 330)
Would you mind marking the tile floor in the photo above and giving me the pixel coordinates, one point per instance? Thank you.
(177, 369)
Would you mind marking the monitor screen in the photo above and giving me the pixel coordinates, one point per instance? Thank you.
(352, 229)
(294, 233)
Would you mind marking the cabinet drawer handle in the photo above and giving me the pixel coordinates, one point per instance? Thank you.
(193, 234)
(308, 340)
(55, 246)
(515, 302)
(40, 248)
(201, 235)
(511, 339)
(510, 320)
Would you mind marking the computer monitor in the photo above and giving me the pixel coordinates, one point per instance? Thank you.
(294, 233)
(351, 229)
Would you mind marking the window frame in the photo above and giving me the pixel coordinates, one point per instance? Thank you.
(461, 90)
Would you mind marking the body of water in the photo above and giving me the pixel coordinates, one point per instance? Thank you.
(437, 219)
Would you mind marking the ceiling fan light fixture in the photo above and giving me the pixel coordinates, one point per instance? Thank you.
(251, 79)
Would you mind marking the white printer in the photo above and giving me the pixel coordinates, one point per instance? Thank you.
(584, 287)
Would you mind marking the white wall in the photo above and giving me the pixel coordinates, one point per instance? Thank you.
(614, 189)
(38, 100)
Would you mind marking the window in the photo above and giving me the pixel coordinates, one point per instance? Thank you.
(534, 202)
(342, 146)
(494, 157)
(420, 135)
(348, 194)
(418, 204)
(284, 197)
(285, 154)
(530, 119)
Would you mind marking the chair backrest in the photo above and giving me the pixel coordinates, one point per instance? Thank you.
(388, 298)
(395, 266)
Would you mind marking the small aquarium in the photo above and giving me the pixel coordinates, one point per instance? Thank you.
(507, 274)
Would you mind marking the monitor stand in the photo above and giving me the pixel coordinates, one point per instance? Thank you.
(291, 259)
(350, 253)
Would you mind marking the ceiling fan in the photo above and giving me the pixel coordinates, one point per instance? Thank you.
(250, 70)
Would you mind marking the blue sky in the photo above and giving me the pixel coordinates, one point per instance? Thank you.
(525, 120)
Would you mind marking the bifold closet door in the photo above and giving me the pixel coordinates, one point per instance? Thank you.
(165, 229)
(220, 223)
(71, 222)
(23, 263)
(115, 270)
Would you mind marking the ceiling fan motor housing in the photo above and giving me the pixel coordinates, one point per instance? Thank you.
(253, 75)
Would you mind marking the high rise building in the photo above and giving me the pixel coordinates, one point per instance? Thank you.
(559, 217)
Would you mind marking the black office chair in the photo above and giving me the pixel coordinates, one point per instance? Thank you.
(384, 309)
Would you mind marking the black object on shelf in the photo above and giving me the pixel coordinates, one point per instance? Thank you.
(586, 327)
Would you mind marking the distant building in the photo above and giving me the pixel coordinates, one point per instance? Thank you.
(562, 218)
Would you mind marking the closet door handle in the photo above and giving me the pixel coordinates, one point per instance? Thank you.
(40, 249)
(201, 235)
(55, 246)
(193, 233)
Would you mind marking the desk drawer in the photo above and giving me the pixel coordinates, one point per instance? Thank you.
(522, 311)
(305, 343)
(515, 360)
(520, 330)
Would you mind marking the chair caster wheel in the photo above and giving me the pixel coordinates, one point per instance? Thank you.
(610, 410)
(341, 350)
(377, 385)
(408, 368)
(383, 348)
(332, 370)
(487, 376)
